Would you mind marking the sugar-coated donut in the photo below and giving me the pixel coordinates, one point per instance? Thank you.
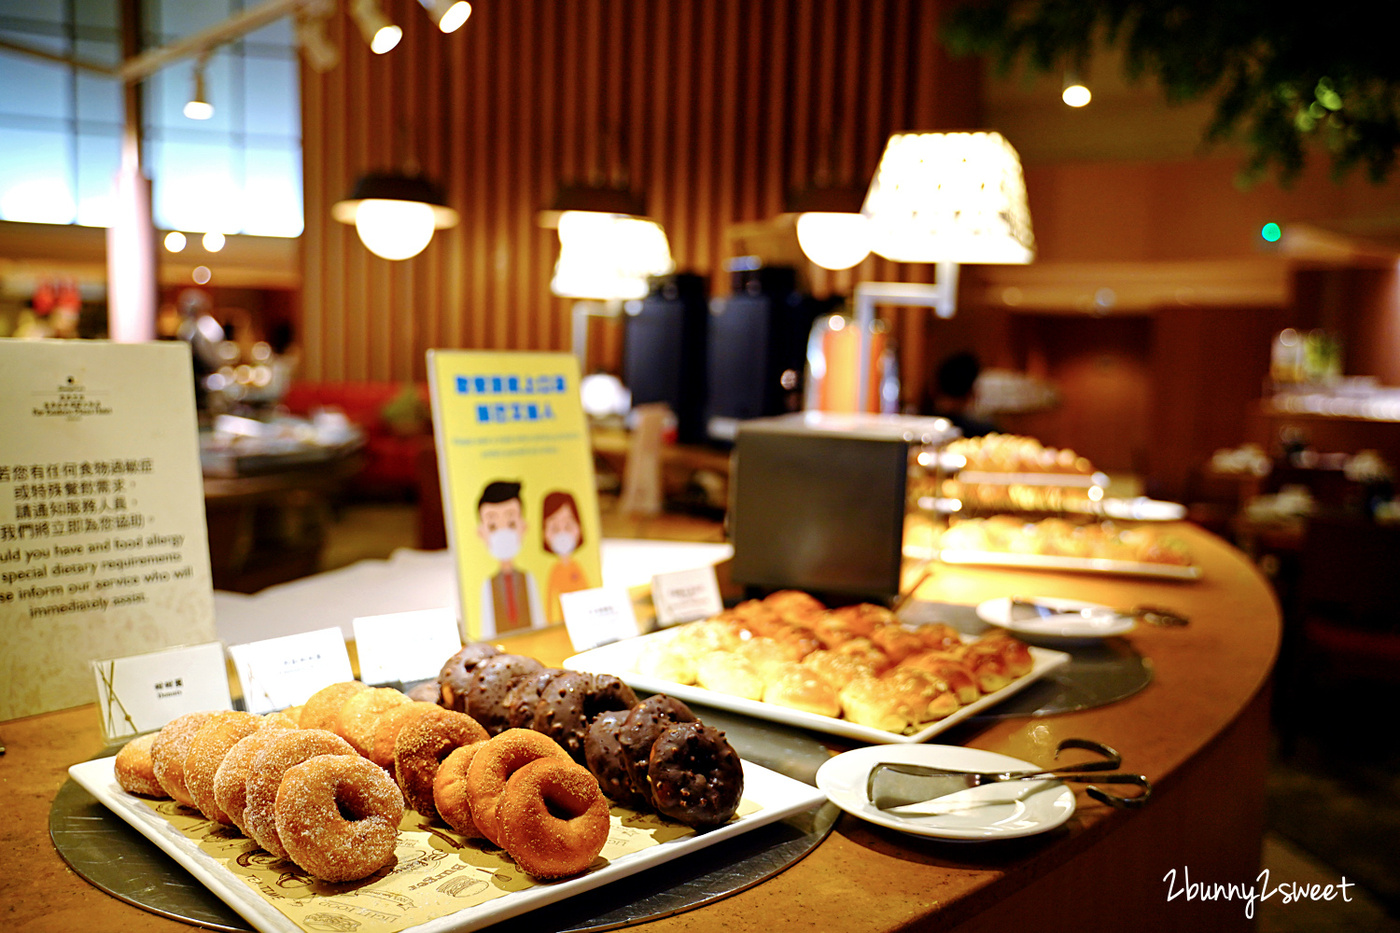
(231, 778)
(450, 790)
(288, 747)
(554, 819)
(338, 816)
(798, 687)
(604, 757)
(360, 715)
(221, 732)
(639, 730)
(135, 772)
(696, 776)
(489, 685)
(388, 726)
(456, 673)
(322, 710)
(420, 748)
(168, 752)
(492, 767)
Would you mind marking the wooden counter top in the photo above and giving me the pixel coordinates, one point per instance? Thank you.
(1199, 732)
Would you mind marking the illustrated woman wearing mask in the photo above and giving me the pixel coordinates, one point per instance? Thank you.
(509, 599)
(562, 536)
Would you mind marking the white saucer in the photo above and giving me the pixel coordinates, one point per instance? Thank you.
(1098, 622)
(997, 811)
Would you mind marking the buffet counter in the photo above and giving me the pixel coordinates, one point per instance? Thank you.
(1199, 732)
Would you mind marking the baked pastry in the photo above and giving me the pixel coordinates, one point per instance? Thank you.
(490, 683)
(420, 748)
(639, 731)
(455, 676)
(286, 748)
(231, 778)
(337, 817)
(554, 820)
(798, 687)
(491, 768)
(450, 796)
(168, 751)
(696, 776)
(729, 672)
(604, 757)
(322, 710)
(134, 770)
(221, 732)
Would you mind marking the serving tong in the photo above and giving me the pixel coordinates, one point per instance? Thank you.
(895, 784)
(1153, 615)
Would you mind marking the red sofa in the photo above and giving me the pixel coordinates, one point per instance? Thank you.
(392, 444)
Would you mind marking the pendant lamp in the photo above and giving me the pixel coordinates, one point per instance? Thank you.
(395, 214)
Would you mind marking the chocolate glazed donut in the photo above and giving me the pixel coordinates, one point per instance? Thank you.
(607, 693)
(524, 696)
(456, 673)
(696, 776)
(644, 724)
(604, 756)
(560, 712)
(490, 683)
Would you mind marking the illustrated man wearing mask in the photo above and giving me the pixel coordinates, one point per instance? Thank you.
(509, 599)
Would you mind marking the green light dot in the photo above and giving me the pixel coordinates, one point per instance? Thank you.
(1271, 232)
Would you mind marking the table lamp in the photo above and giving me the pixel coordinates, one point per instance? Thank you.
(944, 198)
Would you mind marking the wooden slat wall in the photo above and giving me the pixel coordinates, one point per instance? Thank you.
(714, 107)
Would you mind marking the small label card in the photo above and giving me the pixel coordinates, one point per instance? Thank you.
(282, 672)
(143, 692)
(685, 595)
(599, 616)
(405, 646)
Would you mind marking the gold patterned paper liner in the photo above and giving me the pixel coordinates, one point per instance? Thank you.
(436, 871)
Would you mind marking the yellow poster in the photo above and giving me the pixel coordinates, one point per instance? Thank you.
(516, 467)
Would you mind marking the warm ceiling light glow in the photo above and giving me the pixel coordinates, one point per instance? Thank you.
(175, 241)
(201, 275)
(1076, 95)
(394, 229)
(395, 215)
(609, 256)
(198, 106)
(376, 28)
(448, 15)
(833, 240)
(213, 241)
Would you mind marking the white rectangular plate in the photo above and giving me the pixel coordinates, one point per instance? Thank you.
(620, 659)
(776, 796)
(1122, 568)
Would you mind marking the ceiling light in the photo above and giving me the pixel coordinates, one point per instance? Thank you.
(198, 106)
(316, 47)
(1075, 92)
(609, 256)
(395, 215)
(830, 227)
(175, 241)
(213, 241)
(381, 34)
(448, 15)
(593, 198)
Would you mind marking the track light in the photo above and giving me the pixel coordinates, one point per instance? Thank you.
(1075, 92)
(448, 14)
(381, 34)
(320, 53)
(198, 106)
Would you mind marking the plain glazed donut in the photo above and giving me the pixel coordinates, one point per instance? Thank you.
(286, 748)
(322, 710)
(455, 676)
(554, 819)
(450, 790)
(420, 748)
(604, 757)
(231, 779)
(696, 776)
(338, 816)
(221, 732)
(492, 767)
(168, 752)
(135, 772)
(644, 723)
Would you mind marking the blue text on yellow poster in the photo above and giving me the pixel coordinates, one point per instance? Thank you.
(517, 483)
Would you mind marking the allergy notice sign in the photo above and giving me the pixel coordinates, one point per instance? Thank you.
(103, 547)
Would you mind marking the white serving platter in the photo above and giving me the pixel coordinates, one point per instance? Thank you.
(620, 659)
(774, 795)
(1098, 565)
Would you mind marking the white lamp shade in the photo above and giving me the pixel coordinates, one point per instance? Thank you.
(833, 240)
(958, 197)
(394, 229)
(608, 256)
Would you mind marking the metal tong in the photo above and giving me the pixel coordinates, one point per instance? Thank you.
(1153, 615)
(892, 784)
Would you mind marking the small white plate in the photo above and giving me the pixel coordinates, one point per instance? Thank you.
(1068, 622)
(1007, 810)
